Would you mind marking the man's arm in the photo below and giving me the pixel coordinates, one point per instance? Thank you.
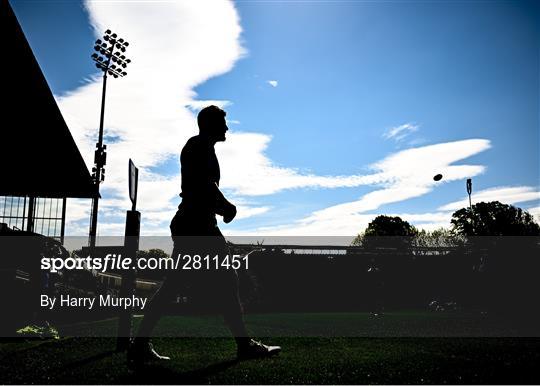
(223, 206)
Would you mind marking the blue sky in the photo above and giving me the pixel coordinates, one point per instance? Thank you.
(338, 110)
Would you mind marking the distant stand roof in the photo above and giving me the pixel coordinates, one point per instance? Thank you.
(38, 156)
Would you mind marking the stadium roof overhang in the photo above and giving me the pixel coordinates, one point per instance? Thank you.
(38, 156)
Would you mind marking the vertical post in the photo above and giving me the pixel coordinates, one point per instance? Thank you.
(24, 213)
(127, 287)
(30, 224)
(131, 246)
(63, 224)
(469, 191)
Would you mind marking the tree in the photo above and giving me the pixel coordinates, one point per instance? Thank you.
(154, 253)
(157, 254)
(390, 226)
(494, 219)
(386, 231)
(438, 238)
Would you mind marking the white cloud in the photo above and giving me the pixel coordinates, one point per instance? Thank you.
(199, 105)
(504, 194)
(398, 133)
(535, 212)
(273, 83)
(403, 175)
(151, 111)
(174, 46)
(247, 171)
(247, 211)
(409, 172)
(349, 218)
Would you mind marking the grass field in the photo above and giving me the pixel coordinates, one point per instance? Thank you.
(315, 359)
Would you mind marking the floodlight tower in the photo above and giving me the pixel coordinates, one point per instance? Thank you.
(469, 191)
(109, 58)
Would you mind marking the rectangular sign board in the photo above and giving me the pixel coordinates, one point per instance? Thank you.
(133, 183)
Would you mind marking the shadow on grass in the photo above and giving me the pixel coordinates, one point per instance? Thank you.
(156, 374)
(84, 361)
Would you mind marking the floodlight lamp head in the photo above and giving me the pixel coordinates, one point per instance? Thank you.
(469, 185)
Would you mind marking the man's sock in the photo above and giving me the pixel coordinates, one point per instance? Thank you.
(141, 341)
(242, 341)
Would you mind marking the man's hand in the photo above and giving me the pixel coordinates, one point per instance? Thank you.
(223, 207)
(229, 212)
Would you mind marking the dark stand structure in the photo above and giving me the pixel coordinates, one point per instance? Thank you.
(40, 163)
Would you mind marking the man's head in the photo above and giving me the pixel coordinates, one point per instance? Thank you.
(211, 121)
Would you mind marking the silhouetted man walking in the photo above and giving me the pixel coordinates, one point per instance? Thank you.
(194, 230)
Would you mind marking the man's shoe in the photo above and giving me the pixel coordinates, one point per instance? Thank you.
(140, 353)
(256, 349)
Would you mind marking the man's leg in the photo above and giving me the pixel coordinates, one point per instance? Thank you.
(231, 308)
(226, 291)
(156, 306)
(142, 348)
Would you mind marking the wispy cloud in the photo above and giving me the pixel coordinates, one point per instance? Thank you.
(398, 133)
(407, 170)
(404, 175)
(504, 194)
(273, 83)
(535, 212)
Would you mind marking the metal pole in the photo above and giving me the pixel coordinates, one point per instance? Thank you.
(99, 164)
(102, 117)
